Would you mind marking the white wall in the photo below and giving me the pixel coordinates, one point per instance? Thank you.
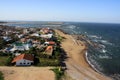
(24, 62)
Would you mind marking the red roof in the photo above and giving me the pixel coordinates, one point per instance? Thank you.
(49, 50)
(51, 42)
(23, 56)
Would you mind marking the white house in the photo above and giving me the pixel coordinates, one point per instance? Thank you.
(20, 36)
(35, 34)
(23, 60)
(46, 35)
(21, 47)
(6, 38)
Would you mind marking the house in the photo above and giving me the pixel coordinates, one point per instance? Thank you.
(49, 50)
(23, 60)
(46, 35)
(21, 46)
(20, 36)
(45, 30)
(23, 40)
(25, 31)
(50, 43)
(35, 34)
(6, 38)
(35, 43)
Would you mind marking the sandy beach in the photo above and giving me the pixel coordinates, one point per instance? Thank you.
(27, 73)
(77, 66)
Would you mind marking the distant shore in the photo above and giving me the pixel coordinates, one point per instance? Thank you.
(77, 62)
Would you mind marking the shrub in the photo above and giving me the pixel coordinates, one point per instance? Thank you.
(58, 73)
(8, 61)
(1, 76)
(48, 62)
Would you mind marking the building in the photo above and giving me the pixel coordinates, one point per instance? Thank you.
(23, 60)
(49, 50)
(49, 43)
(21, 46)
(46, 35)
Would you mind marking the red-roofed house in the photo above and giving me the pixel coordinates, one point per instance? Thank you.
(50, 43)
(23, 60)
(49, 50)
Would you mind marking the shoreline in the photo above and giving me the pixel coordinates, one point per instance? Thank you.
(91, 65)
(81, 64)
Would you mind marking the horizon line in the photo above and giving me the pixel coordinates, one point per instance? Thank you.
(57, 21)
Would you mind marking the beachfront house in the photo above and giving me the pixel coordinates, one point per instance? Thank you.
(23, 60)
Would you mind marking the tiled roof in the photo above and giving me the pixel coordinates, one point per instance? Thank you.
(23, 56)
(49, 50)
(49, 47)
(51, 42)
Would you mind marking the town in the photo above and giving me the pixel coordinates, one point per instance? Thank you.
(29, 46)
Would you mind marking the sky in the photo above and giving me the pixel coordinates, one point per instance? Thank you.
(107, 11)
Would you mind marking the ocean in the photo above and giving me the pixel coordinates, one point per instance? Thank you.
(105, 58)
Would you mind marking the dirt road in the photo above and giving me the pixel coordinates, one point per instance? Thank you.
(27, 73)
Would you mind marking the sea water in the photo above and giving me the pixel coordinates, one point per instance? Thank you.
(106, 57)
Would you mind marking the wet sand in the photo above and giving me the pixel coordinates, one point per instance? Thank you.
(77, 66)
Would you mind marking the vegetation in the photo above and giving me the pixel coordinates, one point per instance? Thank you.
(58, 72)
(8, 61)
(1, 76)
(48, 62)
(2, 43)
(3, 60)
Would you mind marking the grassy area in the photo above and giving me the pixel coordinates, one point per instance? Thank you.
(58, 73)
(3, 60)
(48, 62)
(1, 76)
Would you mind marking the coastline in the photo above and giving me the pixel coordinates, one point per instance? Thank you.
(79, 62)
(92, 66)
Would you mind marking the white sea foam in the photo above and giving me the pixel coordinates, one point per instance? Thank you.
(105, 42)
(94, 37)
(86, 56)
(104, 57)
(103, 50)
(72, 26)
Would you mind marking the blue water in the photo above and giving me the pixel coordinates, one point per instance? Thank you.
(105, 59)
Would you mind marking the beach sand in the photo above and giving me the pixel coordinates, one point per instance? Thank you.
(77, 66)
(27, 73)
